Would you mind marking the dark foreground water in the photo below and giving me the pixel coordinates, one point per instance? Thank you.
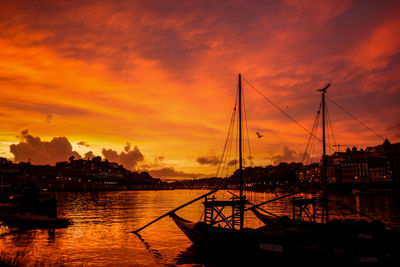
(102, 224)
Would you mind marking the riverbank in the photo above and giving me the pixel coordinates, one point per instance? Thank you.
(341, 189)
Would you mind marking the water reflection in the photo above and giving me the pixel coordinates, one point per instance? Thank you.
(51, 235)
(156, 254)
(101, 233)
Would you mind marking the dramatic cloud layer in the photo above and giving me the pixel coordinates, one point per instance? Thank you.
(163, 74)
(42, 152)
(208, 160)
(129, 158)
(33, 149)
(287, 156)
(83, 143)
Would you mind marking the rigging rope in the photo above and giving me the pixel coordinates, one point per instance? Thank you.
(227, 138)
(310, 137)
(330, 125)
(315, 132)
(353, 117)
(226, 141)
(313, 140)
(247, 130)
(230, 151)
(230, 143)
(224, 163)
(287, 115)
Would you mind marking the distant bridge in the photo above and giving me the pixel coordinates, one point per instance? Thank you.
(169, 180)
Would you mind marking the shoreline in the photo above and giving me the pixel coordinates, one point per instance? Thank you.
(350, 188)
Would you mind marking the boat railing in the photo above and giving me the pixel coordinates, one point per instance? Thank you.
(313, 210)
(215, 212)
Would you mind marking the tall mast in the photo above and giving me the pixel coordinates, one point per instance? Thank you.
(324, 169)
(240, 154)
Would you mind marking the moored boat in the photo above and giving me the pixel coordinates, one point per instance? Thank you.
(34, 221)
(310, 235)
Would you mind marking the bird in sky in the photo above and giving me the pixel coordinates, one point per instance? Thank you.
(324, 89)
(259, 135)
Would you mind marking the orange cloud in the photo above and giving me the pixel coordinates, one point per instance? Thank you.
(42, 152)
(129, 158)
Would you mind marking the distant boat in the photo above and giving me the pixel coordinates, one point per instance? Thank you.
(28, 208)
(40, 203)
(302, 237)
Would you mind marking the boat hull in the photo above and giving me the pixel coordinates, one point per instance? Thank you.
(360, 240)
(289, 244)
(32, 221)
(222, 239)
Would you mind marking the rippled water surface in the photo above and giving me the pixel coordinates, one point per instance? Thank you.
(101, 233)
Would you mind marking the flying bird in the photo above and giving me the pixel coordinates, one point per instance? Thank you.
(258, 135)
(324, 89)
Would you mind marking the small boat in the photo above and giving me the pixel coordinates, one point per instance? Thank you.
(34, 221)
(41, 203)
(32, 210)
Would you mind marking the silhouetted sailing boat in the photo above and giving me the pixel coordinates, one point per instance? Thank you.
(361, 240)
(282, 237)
(232, 235)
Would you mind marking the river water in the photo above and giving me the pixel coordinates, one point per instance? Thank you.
(101, 233)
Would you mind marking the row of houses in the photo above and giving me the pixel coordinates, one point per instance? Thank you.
(80, 174)
(371, 165)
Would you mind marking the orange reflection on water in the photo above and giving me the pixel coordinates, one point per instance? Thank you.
(104, 221)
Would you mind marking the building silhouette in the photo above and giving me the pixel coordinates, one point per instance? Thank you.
(373, 165)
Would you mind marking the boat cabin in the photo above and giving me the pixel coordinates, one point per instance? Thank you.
(214, 212)
(313, 210)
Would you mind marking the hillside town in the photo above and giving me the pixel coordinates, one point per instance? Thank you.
(377, 166)
(73, 175)
(373, 166)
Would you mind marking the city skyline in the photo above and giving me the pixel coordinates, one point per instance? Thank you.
(153, 84)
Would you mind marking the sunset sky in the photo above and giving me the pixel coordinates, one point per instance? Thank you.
(151, 84)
